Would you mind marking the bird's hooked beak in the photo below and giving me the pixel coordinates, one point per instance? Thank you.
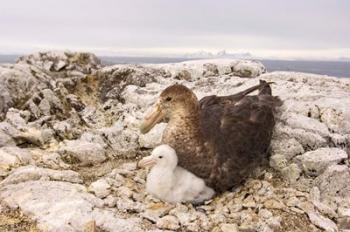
(146, 161)
(152, 118)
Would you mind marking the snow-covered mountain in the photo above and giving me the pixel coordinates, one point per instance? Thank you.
(219, 54)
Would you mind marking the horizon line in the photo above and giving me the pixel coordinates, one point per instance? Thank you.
(291, 54)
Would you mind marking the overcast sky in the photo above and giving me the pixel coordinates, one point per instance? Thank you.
(265, 28)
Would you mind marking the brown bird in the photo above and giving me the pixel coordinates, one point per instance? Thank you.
(221, 139)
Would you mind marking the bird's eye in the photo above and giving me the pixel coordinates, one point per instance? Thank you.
(160, 157)
(168, 99)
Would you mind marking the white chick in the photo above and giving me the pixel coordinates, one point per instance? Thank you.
(172, 183)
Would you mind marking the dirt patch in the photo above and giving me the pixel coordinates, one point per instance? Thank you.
(296, 223)
(15, 221)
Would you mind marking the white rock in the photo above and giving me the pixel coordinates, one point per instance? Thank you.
(183, 214)
(17, 83)
(309, 124)
(168, 222)
(226, 227)
(7, 160)
(325, 209)
(224, 69)
(61, 206)
(315, 162)
(86, 152)
(101, 188)
(249, 202)
(340, 140)
(13, 156)
(210, 69)
(315, 194)
(50, 103)
(139, 96)
(51, 159)
(343, 224)
(48, 65)
(16, 118)
(124, 192)
(246, 68)
(305, 138)
(278, 162)
(28, 173)
(293, 202)
(63, 129)
(335, 114)
(156, 210)
(59, 59)
(6, 140)
(274, 222)
(291, 173)
(263, 227)
(8, 129)
(322, 222)
(34, 136)
(344, 212)
(59, 65)
(334, 182)
(129, 166)
(197, 68)
(111, 201)
(185, 75)
(92, 138)
(265, 214)
(274, 204)
(124, 142)
(289, 147)
(128, 205)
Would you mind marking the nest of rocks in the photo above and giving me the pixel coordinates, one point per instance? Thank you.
(69, 143)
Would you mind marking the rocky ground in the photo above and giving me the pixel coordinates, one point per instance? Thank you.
(69, 143)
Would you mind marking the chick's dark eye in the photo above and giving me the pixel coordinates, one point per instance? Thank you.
(160, 157)
(168, 99)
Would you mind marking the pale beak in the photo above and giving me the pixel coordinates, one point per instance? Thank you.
(151, 119)
(147, 161)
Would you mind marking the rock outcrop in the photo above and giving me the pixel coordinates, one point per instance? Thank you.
(69, 142)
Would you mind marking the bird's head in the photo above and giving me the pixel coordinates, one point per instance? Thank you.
(175, 101)
(161, 156)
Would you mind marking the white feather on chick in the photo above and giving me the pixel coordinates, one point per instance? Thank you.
(172, 183)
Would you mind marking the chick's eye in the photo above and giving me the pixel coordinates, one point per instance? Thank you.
(160, 157)
(168, 99)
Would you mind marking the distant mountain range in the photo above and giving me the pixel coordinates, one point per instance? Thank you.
(220, 54)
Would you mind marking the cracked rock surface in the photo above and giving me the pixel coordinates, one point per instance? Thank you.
(69, 143)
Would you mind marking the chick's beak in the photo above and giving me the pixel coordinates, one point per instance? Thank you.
(146, 161)
(152, 118)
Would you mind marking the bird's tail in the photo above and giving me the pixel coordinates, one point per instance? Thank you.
(265, 94)
(265, 88)
(262, 86)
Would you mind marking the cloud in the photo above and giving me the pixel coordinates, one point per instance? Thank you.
(139, 26)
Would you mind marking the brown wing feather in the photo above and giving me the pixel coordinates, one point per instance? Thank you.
(263, 87)
(239, 132)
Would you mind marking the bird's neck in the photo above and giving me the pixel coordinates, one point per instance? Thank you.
(184, 127)
(185, 120)
(170, 166)
(160, 180)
